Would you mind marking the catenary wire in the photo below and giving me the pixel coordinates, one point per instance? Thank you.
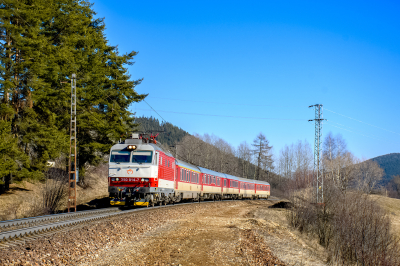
(243, 104)
(153, 110)
(230, 116)
(189, 100)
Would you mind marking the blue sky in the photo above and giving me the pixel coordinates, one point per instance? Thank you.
(262, 64)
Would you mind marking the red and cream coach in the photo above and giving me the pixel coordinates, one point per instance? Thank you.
(141, 173)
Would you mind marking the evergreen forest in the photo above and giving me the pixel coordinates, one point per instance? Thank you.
(43, 42)
(169, 134)
(390, 163)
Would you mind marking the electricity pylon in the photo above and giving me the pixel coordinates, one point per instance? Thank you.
(318, 174)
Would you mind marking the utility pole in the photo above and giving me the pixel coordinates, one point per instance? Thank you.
(318, 180)
(72, 150)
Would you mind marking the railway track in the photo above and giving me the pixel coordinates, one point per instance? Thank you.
(21, 231)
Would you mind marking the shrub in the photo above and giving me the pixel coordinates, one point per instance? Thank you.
(353, 228)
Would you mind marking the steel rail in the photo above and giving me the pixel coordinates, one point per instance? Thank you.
(48, 218)
(75, 219)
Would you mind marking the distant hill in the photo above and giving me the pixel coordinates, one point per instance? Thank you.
(390, 163)
(172, 134)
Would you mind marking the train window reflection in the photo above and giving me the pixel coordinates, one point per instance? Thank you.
(120, 156)
(142, 156)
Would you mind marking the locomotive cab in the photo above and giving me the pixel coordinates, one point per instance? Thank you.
(133, 171)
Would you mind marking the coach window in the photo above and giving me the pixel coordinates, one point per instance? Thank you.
(217, 181)
(224, 182)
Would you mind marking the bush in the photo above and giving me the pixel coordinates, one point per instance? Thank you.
(352, 227)
(53, 195)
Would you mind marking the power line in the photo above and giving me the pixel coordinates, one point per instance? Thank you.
(231, 116)
(362, 122)
(243, 104)
(360, 133)
(267, 105)
(350, 128)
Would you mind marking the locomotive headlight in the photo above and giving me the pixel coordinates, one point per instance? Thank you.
(142, 179)
(132, 147)
(117, 179)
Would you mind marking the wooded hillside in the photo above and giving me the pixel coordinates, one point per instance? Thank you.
(171, 134)
(390, 163)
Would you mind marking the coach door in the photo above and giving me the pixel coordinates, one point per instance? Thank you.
(176, 178)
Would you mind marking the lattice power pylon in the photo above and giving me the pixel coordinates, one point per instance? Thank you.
(318, 174)
(72, 150)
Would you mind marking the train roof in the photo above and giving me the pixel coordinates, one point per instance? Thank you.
(211, 172)
(253, 181)
(232, 177)
(187, 165)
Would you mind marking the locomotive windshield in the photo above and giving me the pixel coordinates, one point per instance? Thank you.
(142, 156)
(120, 156)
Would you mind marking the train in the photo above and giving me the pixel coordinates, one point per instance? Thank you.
(142, 173)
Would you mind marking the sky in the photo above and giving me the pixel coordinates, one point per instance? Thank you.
(238, 68)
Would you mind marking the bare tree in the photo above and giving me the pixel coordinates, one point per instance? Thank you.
(244, 154)
(393, 187)
(337, 162)
(368, 175)
(262, 153)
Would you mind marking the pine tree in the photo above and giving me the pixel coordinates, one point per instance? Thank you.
(45, 42)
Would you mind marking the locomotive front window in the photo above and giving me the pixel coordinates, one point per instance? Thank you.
(120, 156)
(142, 156)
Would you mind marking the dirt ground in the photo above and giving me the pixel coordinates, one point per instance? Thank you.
(21, 199)
(240, 233)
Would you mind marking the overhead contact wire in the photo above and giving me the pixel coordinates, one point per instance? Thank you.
(231, 116)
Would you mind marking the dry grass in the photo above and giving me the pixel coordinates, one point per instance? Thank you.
(353, 227)
(392, 206)
(22, 199)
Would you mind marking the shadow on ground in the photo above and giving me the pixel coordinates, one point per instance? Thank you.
(282, 205)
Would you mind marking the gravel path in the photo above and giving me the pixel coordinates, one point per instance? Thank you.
(220, 233)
